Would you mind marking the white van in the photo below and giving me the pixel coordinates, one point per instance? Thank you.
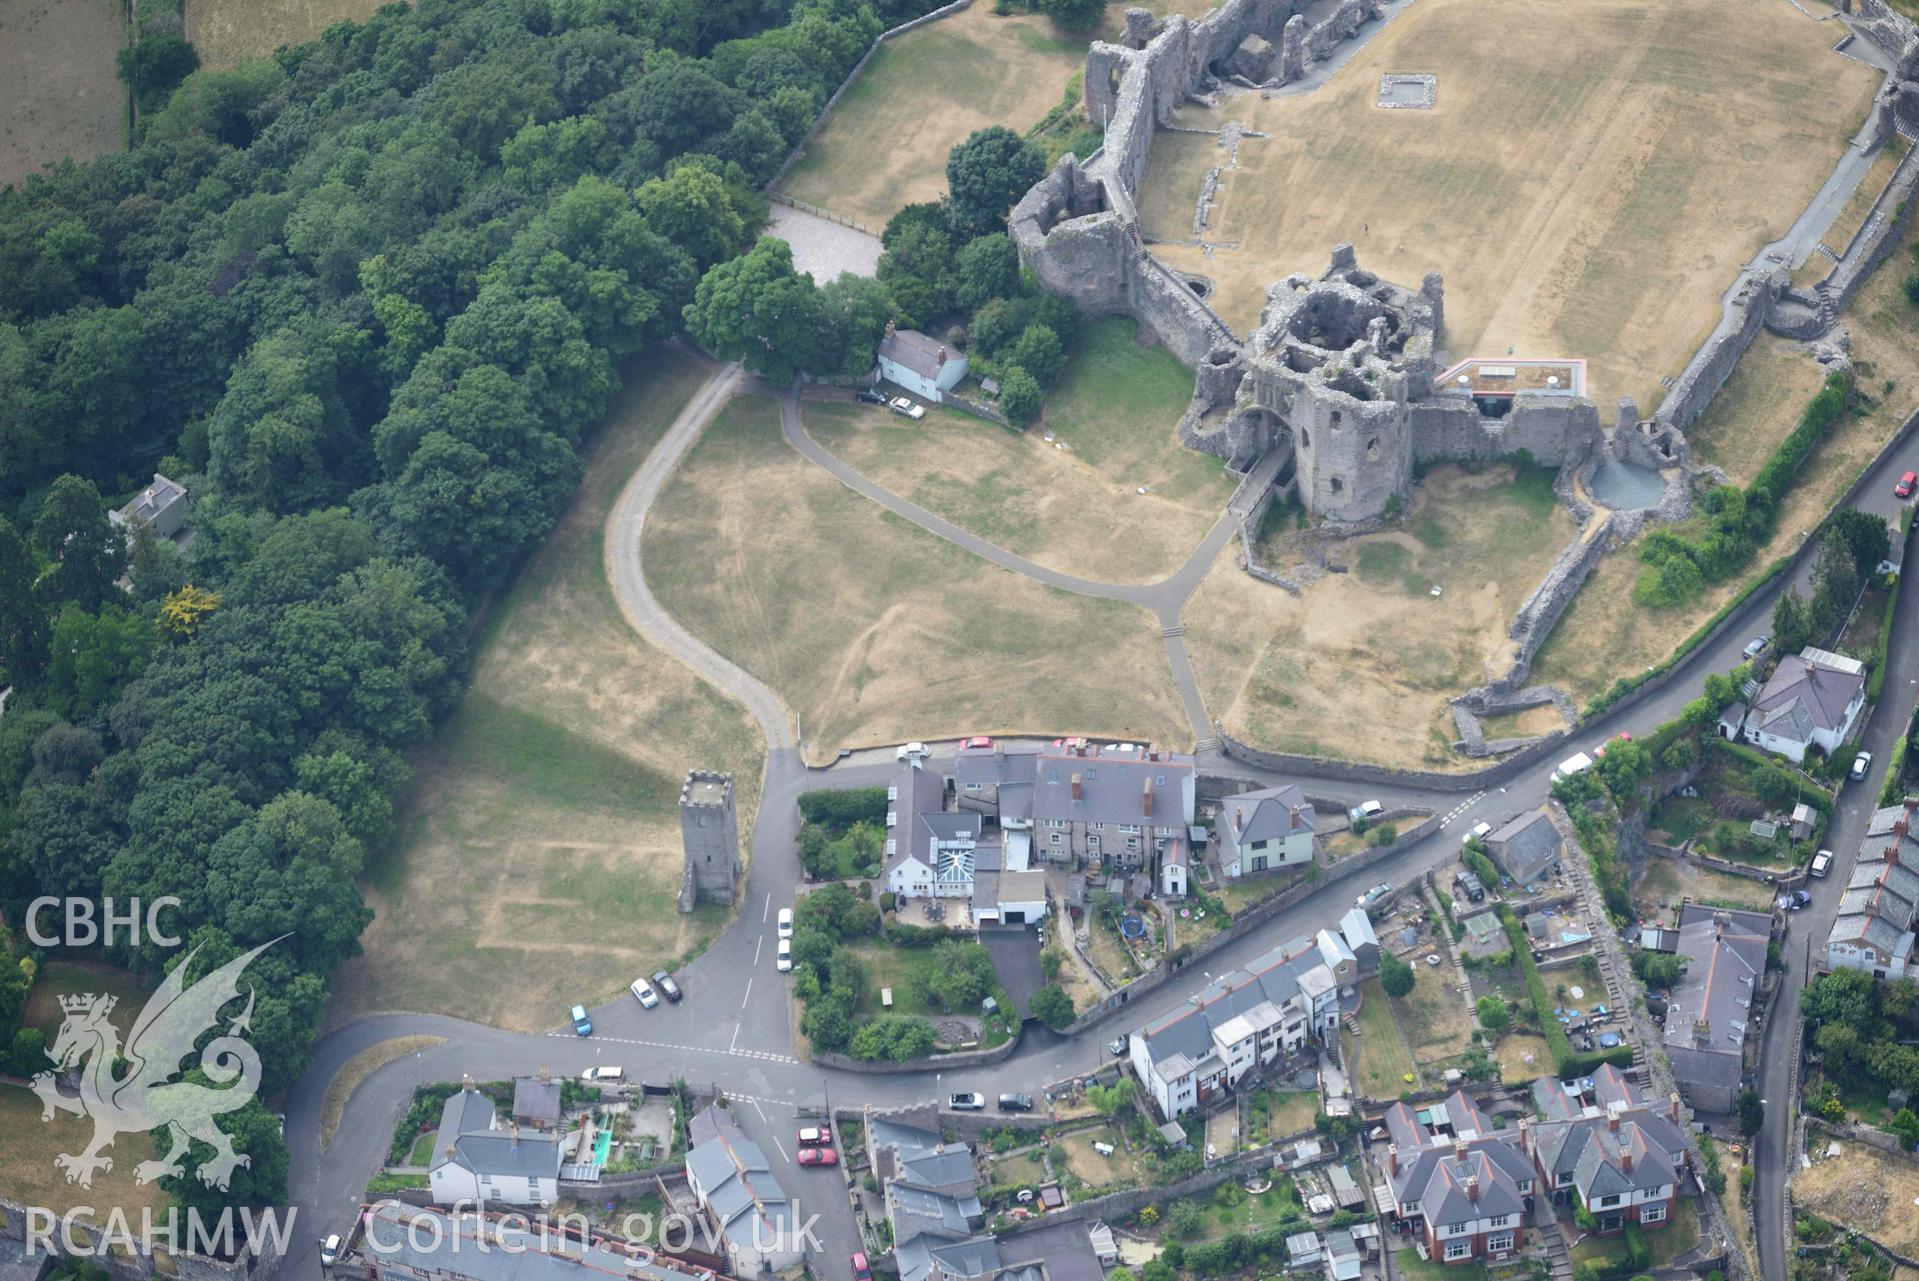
(1577, 763)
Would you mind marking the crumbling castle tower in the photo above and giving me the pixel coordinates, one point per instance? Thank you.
(710, 835)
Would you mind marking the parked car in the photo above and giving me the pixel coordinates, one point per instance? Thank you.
(1822, 862)
(1468, 883)
(785, 926)
(816, 1136)
(1368, 810)
(1860, 764)
(1577, 763)
(329, 1250)
(1907, 483)
(1117, 1047)
(905, 408)
(644, 993)
(819, 1156)
(970, 1101)
(862, 1271)
(1016, 1103)
(1375, 895)
(1757, 646)
(978, 740)
(1477, 832)
(582, 1021)
(1621, 737)
(593, 1075)
(870, 396)
(908, 751)
(783, 958)
(668, 988)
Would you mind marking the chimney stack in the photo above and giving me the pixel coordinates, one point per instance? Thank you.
(515, 1133)
(1612, 1119)
(1625, 1160)
(546, 1076)
(1672, 1109)
(1392, 1158)
(1076, 786)
(1146, 799)
(1701, 1031)
(1472, 1188)
(1526, 1134)
(1239, 819)
(466, 1082)
(1460, 1149)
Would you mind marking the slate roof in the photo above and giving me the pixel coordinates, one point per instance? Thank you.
(1808, 691)
(1881, 900)
(1592, 1142)
(1113, 788)
(1453, 1164)
(929, 1259)
(536, 1100)
(1178, 1041)
(1526, 847)
(1269, 814)
(915, 351)
(466, 1127)
(739, 1183)
(1357, 929)
(917, 818)
(1726, 957)
(152, 502)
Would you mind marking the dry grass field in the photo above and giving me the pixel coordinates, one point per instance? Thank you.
(1589, 189)
(875, 631)
(1363, 664)
(1666, 883)
(885, 145)
(1380, 1069)
(227, 31)
(59, 95)
(539, 855)
(1605, 635)
(1521, 1057)
(1865, 1189)
(1434, 1016)
(1078, 514)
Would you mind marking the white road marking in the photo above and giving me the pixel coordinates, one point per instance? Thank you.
(767, 911)
(688, 1049)
(756, 949)
(736, 1039)
(749, 993)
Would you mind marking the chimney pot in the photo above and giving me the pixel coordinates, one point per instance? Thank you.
(1472, 1189)
(1459, 1149)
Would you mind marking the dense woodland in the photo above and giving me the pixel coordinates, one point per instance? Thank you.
(365, 299)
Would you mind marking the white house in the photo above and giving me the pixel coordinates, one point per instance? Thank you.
(161, 507)
(1813, 700)
(924, 366)
(930, 852)
(1264, 830)
(477, 1162)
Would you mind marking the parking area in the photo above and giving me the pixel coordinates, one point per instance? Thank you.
(1015, 953)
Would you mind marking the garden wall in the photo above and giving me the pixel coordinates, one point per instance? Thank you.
(931, 1063)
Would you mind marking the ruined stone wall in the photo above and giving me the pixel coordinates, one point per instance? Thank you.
(1712, 364)
(1884, 230)
(1354, 456)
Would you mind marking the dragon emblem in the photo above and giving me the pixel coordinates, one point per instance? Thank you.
(142, 1095)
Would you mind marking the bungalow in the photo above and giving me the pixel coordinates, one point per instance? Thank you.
(475, 1162)
(923, 366)
(1527, 848)
(1812, 700)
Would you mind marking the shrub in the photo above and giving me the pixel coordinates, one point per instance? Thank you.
(844, 807)
(1395, 976)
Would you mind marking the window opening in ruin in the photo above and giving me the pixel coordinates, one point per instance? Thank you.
(1372, 450)
(1336, 417)
(1338, 485)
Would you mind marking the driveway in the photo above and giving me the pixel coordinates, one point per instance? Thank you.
(1015, 953)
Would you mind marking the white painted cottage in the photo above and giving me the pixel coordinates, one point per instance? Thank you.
(924, 366)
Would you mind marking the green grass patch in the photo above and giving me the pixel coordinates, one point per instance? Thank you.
(1383, 1063)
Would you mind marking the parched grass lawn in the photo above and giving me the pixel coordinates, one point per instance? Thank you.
(1680, 1234)
(226, 31)
(1409, 1265)
(1363, 664)
(1016, 1171)
(1075, 1153)
(1606, 634)
(57, 979)
(1243, 892)
(1053, 506)
(1292, 1111)
(359, 1068)
(1380, 1072)
(884, 146)
(1521, 1057)
(876, 631)
(1346, 843)
(59, 94)
(1830, 1189)
(1667, 882)
(1437, 1021)
(1116, 405)
(1748, 418)
(539, 852)
(1590, 194)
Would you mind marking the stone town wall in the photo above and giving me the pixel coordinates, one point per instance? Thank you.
(1712, 364)
(1885, 228)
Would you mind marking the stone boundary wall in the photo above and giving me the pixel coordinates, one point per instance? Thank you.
(978, 409)
(1882, 232)
(630, 1180)
(1469, 708)
(1533, 622)
(931, 1063)
(799, 148)
(139, 1263)
(1713, 363)
(1252, 918)
(1130, 1201)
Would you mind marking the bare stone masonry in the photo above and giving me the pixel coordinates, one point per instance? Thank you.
(710, 833)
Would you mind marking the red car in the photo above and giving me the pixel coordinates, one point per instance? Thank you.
(978, 740)
(861, 1272)
(819, 1156)
(1907, 483)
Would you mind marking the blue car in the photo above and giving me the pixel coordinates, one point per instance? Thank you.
(582, 1021)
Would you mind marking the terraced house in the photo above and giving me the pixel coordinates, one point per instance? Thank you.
(1709, 1014)
(1123, 808)
(1873, 931)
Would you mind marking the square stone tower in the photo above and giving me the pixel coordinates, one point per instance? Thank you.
(710, 833)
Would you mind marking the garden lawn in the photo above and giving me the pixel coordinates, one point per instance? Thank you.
(539, 854)
(1075, 1153)
(876, 631)
(905, 970)
(1252, 1214)
(1512, 1054)
(1680, 1234)
(1437, 1021)
(1383, 1066)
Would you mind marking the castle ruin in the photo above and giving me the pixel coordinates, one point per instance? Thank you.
(710, 835)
